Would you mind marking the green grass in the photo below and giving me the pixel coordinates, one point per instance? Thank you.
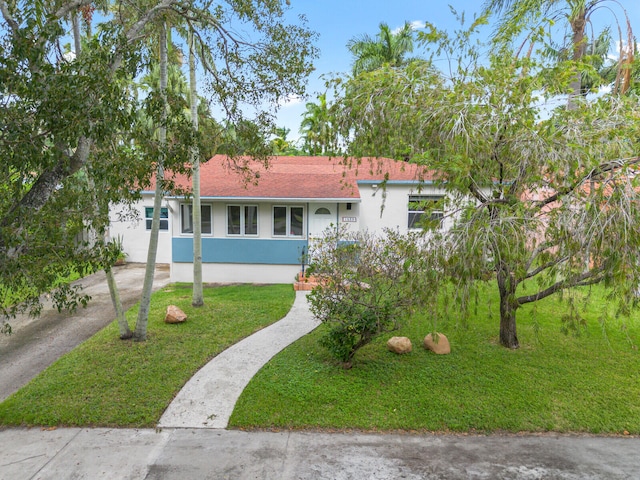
(13, 295)
(586, 381)
(109, 382)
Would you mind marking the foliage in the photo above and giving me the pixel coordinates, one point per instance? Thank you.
(387, 48)
(317, 129)
(73, 140)
(281, 145)
(367, 285)
(540, 197)
(581, 53)
(108, 382)
(584, 382)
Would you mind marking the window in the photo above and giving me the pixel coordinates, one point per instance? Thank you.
(421, 205)
(164, 217)
(186, 218)
(242, 219)
(288, 221)
(323, 211)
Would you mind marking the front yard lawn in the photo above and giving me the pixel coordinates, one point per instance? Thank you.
(109, 382)
(584, 381)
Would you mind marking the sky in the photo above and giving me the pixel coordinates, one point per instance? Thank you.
(338, 21)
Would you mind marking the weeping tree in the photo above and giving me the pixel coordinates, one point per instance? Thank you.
(543, 201)
(113, 248)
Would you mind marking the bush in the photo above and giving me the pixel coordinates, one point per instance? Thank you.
(367, 285)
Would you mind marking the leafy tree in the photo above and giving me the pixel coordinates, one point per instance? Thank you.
(543, 203)
(387, 48)
(521, 14)
(52, 122)
(367, 285)
(60, 117)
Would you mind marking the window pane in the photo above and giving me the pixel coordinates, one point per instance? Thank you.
(250, 220)
(297, 218)
(164, 216)
(233, 220)
(414, 219)
(279, 220)
(206, 218)
(186, 218)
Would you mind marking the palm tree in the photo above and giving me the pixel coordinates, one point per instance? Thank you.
(387, 48)
(197, 299)
(316, 127)
(140, 333)
(578, 15)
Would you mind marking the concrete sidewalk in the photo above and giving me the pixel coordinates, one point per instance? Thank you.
(207, 400)
(186, 454)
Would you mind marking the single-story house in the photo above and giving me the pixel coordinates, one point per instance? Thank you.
(259, 230)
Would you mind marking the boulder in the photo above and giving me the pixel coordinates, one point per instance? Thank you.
(399, 345)
(175, 315)
(441, 347)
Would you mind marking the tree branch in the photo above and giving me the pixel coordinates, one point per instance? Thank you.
(586, 278)
(542, 268)
(4, 8)
(71, 6)
(603, 168)
(477, 193)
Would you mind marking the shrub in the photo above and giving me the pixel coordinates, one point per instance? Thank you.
(367, 285)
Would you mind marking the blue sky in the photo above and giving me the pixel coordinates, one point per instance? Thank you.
(337, 21)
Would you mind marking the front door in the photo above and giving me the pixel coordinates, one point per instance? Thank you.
(321, 216)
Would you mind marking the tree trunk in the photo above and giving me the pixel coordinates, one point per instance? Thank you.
(123, 325)
(578, 24)
(140, 333)
(508, 308)
(198, 294)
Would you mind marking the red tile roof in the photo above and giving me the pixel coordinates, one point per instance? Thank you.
(297, 177)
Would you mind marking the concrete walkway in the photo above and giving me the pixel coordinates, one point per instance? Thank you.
(207, 400)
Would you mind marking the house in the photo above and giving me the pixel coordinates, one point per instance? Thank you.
(259, 230)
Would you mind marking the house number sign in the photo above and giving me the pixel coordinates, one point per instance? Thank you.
(349, 219)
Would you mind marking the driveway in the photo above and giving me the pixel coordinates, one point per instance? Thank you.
(37, 342)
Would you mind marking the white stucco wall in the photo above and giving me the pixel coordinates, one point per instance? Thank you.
(363, 215)
(236, 273)
(395, 212)
(134, 234)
